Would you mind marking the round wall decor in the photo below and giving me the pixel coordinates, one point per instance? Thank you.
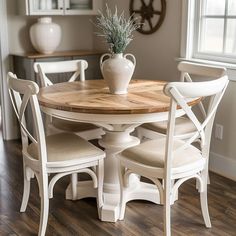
(150, 13)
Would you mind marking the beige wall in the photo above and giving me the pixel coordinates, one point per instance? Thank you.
(226, 116)
(223, 152)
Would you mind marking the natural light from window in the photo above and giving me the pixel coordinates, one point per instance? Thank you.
(216, 28)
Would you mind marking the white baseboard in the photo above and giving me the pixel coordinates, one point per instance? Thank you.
(222, 165)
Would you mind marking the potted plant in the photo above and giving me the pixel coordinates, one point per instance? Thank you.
(117, 70)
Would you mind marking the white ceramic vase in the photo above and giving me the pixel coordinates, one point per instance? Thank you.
(117, 71)
(45, 35)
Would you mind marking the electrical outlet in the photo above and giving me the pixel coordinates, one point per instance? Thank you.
(219, 131)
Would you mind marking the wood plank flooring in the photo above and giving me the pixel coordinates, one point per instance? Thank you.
(80, 217)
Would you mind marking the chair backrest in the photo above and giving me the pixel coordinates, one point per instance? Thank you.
(77, 67)
(181, 93)
(205, 72)
(23, 93)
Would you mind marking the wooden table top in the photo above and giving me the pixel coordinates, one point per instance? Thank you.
(92, 96)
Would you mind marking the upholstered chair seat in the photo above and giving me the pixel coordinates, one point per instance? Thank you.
(182, 126)
(72, 126)
(65, 148)
(152, 154)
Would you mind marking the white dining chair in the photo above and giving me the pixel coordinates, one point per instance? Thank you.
(59, 154)
(76, 69)
(184, 128)
(173, 160)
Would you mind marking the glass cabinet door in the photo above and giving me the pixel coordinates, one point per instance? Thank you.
(73, 7)
(81, 4)
(43, 7)
(60, 7)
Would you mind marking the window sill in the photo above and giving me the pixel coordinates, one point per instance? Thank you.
(231, 66)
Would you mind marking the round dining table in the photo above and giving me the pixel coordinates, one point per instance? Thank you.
(91, 102)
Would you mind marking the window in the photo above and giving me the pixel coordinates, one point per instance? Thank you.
(215, 30)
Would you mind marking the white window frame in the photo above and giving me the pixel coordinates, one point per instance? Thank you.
(223, 57)
(189, 34)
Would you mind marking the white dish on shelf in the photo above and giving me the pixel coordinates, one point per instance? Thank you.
(79, 6)
(80, 2)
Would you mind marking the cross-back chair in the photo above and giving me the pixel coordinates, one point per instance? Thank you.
(173, 160)
(59, 154)
(76, 70)
(184, 128)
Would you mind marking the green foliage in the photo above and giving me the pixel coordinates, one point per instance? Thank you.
(116, 29)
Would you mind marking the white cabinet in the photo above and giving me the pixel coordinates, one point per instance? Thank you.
(59, 7)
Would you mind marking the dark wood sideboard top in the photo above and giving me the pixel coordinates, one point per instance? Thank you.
(35, 55)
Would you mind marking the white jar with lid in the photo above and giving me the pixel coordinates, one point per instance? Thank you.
(45, 35)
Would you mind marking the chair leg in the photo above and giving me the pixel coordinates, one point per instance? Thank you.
(74, 179)
(167, 209)
(44, 205)
(100, 175)
(167, 223)
(208, 182)
(26, 192)
(204, 203)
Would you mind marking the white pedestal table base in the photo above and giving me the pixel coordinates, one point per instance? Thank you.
(114, 141)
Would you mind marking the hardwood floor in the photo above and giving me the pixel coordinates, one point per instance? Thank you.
(80, 217)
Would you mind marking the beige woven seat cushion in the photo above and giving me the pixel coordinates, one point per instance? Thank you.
(182, 126)
(152, 153)
(71, 126)
(67, 147)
